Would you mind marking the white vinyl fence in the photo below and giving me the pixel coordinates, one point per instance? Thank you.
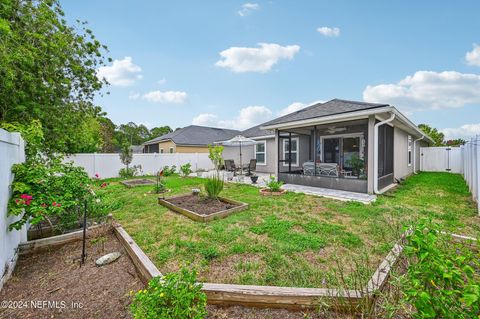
(471, 167)
(441, 159)
(108, 165)
(462, 160)
(11, 152)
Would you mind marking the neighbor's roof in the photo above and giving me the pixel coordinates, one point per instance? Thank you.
(196, 135)
(335, 106)
(257, 132)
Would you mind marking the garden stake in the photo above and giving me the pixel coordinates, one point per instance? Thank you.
(84, 232)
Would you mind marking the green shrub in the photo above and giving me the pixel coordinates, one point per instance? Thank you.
(176, 295)
(209, 253)
(215, 155)
(129, 172)
(169, 171)
(442, 279)
(273, 185)
(159, 187)
(186, 169)
(214, 186)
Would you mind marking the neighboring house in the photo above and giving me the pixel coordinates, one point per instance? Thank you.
(190, 139)
(340, 144)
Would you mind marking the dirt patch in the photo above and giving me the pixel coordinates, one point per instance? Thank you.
(54, 276)
(137, 182)
(215, 312)
(200, 205)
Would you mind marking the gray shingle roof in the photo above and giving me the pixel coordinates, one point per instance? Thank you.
(335, 106)
(196, 135)
(256, 131)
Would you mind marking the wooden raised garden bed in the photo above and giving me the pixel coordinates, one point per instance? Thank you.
(202, 209)
(137, 182)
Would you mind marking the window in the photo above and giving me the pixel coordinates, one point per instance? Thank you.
(171, 149)
(161, 151)
(293, 150)
(261, 152)
(409, 150)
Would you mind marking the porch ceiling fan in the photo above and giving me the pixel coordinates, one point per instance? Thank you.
(333, 129)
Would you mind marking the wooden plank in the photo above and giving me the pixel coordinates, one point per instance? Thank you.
(280, 297)
(43, 243)
(144, 265)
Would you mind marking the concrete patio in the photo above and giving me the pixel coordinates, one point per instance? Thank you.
(315, 191)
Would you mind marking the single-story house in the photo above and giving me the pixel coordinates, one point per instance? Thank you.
(190, 139)
(346, 145)
(340, 144)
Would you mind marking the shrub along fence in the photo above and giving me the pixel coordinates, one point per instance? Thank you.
(461, 160)
(11, 152)
(107, 165)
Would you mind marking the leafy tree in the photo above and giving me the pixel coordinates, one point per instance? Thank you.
(456, 142)
(126, 155)
(159, 131)
(437, 137)
(48, 73)
(107, 132)
(132, 134)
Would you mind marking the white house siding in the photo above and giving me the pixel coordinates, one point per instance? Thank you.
(11, 152)
(400, 154)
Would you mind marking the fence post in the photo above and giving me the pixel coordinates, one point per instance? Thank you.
(477, 174)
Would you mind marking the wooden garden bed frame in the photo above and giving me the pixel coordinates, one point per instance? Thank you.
(203, 218)
(249, 295)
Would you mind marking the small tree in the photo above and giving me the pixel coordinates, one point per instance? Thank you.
(126, 155)
(215, 155)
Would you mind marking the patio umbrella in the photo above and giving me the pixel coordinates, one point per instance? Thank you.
(239, 140)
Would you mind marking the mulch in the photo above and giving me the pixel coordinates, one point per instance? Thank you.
(200, 205)
(51, 284)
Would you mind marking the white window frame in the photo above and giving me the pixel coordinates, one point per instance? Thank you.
(264, 142)
(409, 150)
(296, 151)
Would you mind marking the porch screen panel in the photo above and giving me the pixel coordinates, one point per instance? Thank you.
(385, 150)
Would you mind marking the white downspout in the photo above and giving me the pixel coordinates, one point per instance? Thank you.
(375, 152)
(414, 151)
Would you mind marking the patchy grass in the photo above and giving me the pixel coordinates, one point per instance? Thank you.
(291, 240)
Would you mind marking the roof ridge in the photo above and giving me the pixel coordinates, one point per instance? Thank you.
(357, 102)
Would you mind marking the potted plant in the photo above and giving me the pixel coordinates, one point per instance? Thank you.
(254, 178)
(273, 187)
(357, 164)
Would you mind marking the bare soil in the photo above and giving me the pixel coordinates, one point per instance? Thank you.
(238, 312)
(200, 205)
(55, 276)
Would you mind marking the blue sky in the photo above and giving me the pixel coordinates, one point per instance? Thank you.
(235, 63)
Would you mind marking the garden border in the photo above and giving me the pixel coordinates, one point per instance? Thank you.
(249, 295)
(203, 218)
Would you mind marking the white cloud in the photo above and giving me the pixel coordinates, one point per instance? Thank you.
(121, 72)
(242, 59)
(473, 57)
(134, 96)
(166, 96)
(295, 106)
(428, 90)
(329, 32)
(162, 81)
(465, 131)
(247, 8)
(247, 117)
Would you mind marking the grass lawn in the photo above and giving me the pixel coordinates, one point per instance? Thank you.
(292, 240)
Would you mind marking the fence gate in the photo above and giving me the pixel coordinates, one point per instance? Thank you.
(441, 159)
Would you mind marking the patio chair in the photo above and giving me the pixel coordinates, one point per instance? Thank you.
(327, 169)
(252, 167)
(230, 166)
(308, 168)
